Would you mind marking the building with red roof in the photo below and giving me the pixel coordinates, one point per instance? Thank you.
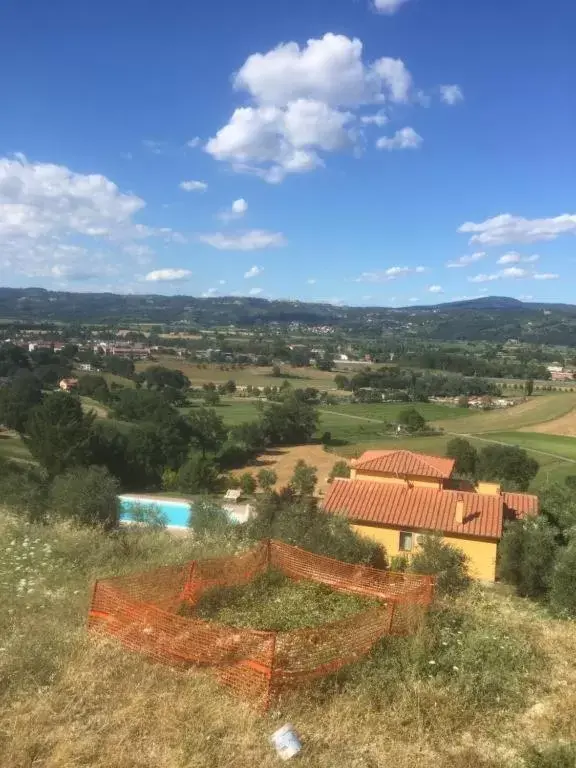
(396, 496)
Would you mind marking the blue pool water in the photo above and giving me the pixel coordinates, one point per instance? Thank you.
(173, 513)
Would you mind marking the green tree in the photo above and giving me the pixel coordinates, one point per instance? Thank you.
(17, 400)
(121, 366)
(465, 454)
(267, 479)
(412, 420)
(529, 387)
(563, 591)
(304, 478)
(341, 381)
(207, 430)
(507, 464)
(159, 377)
(247, 483)
(88, 496)
(528, 551)
(448, 564)
(93, 386)
(198, 475)
(276, 372)
(339, 469)
(290, 422)
(211, 398)
(58, 433)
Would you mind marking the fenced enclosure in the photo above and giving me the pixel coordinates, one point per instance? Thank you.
(141, 610)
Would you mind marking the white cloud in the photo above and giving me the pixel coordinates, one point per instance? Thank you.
(221, 282)
(405, 138)
(436, 289)
(388, 6)
(509, 258)
(252, 240)
(545, 276)
(311, 281)
(504, 229)
(513, 257)
(156, 147)
(255, 291)
(464, 261)
(195, 142)
(209, 293)
(193, 186)
(254, 271)
(451, 94)
(167, 275)
(45, 209)
(236, 211)
(379, 119)
(383, 276)
(302, 99)
(513, 273)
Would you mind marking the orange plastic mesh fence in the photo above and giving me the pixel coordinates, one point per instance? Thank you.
(140, 610)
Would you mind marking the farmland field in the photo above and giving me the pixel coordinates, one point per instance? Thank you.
(251, 375)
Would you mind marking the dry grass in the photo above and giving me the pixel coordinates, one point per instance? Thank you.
(283, 461)
(565, 425)
(72, 700)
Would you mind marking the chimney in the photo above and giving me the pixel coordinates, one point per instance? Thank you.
(459, 516)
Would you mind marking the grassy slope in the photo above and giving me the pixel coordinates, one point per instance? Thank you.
(71, 699)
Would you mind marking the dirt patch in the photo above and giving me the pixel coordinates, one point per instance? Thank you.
(283, 461)
(565, 425)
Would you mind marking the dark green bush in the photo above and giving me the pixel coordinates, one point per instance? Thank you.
(208, 518)
(448, 564)
(563, 591)
(88, 496)
(528, 553)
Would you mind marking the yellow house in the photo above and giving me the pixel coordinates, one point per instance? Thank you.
(394, 497)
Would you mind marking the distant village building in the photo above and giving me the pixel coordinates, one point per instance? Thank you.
(66, 385)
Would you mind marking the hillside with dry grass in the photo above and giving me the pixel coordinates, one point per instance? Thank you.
(488, 678)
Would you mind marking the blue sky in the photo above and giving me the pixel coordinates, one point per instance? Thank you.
(326, 150)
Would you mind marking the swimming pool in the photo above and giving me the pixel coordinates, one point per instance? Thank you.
(175, 514)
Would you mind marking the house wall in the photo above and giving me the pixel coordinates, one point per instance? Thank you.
(379, 477)
(481, 552)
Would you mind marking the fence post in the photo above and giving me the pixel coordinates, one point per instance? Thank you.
(268, 699)
(392, 612)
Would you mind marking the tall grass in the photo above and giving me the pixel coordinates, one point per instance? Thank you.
(503, 677)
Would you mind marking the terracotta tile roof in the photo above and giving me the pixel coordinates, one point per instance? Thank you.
(521, 504)
(405, 463)
(425, 509)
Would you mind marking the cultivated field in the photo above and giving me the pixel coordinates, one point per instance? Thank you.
(252, 375)
(283, 461)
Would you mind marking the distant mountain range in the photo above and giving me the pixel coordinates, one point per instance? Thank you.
(486, 318)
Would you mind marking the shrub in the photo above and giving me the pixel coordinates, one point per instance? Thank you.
(304, 478)
(247, 483)
(301, 523)
(448, 564)
(563, 590)
(399, 563)
(86, 496)
(198, 475)
(267, 479)
(412, 420)
(465, 454)
(340, 469)
(208, 518)
(528, 552)
(149, 515)
(551, 756)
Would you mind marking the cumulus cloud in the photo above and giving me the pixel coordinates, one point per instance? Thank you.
(405, 138)
(53, 217)
(513, 257)
(385, 275)
(236, 211)
(252, 240)
(193, 186)
(195, 142)
(506, 228)
(465, 261)
(378, 118)
(254, 272)
(513, 273)
(255, 291)
(302, 105)
(388, 7)
(435, 289)
(451, 94)
(167, 275)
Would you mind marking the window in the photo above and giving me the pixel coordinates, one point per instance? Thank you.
(406, 541)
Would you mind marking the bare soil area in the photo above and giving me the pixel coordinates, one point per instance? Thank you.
(565, 425)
